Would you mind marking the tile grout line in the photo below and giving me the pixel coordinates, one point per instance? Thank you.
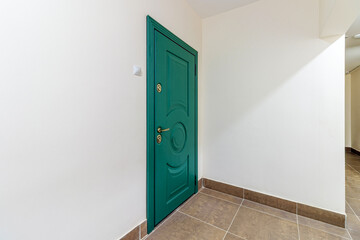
(201, 221)
(242, 238)
(257, 210)
(353, 168)
(355, 216)
(350, 197)
(211, 224)
(221, 198)
(232, 221)
(352, 210)
(297, 221)
(349, 234)
(353, 198)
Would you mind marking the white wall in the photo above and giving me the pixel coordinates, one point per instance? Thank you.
(348, 110)
(274, 103)
(355, 109)
(72, 132)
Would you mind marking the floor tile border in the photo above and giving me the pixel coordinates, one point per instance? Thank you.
(319, 214)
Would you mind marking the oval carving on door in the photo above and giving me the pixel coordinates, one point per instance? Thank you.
(178, 137)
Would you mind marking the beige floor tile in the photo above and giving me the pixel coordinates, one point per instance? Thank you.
(181, 227)
(341, 232)
(308, 233)
(272, 211)
(353, 174)
(353, 222)
(221, 195)
(211, 210)
(351, 171)
(352, 192)
(251, 224)
(354, 204)
(348, 209)
(355, 178)
(351, 156)
(352, 183)
(355, 234)
(353, 162)
(230, 236)
(356, 166)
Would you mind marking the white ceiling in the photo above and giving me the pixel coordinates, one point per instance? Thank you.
(352, 59)
(207, 8)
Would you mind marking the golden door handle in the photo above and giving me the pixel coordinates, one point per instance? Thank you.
(159, 130)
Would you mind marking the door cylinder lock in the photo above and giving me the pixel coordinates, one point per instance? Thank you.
(158, 138)
(158, 87)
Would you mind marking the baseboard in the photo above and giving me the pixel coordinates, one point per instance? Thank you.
(352, 150)
(279, 203)
(139, 232)
(355, 151)
(200, 183)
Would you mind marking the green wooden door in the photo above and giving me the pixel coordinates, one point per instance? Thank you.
(175, 170)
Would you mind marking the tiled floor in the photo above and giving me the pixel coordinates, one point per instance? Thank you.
(352, 173)
(211, 215)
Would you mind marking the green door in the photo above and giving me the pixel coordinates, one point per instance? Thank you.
(171, 122)
(175, 177)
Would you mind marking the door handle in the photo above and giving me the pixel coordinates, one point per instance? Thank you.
(159, 130)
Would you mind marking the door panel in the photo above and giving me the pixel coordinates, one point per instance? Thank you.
(175, 174)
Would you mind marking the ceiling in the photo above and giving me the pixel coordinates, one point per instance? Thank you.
(352, 56)
(207, 8)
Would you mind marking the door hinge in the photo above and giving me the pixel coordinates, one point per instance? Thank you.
(195, 70)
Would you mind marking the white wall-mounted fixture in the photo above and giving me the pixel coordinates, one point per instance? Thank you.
(137, 70)
(357, 36)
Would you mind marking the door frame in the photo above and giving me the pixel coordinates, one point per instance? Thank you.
(153, 26)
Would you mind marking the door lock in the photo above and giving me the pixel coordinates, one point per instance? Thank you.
(158, 87)
(158, 138)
